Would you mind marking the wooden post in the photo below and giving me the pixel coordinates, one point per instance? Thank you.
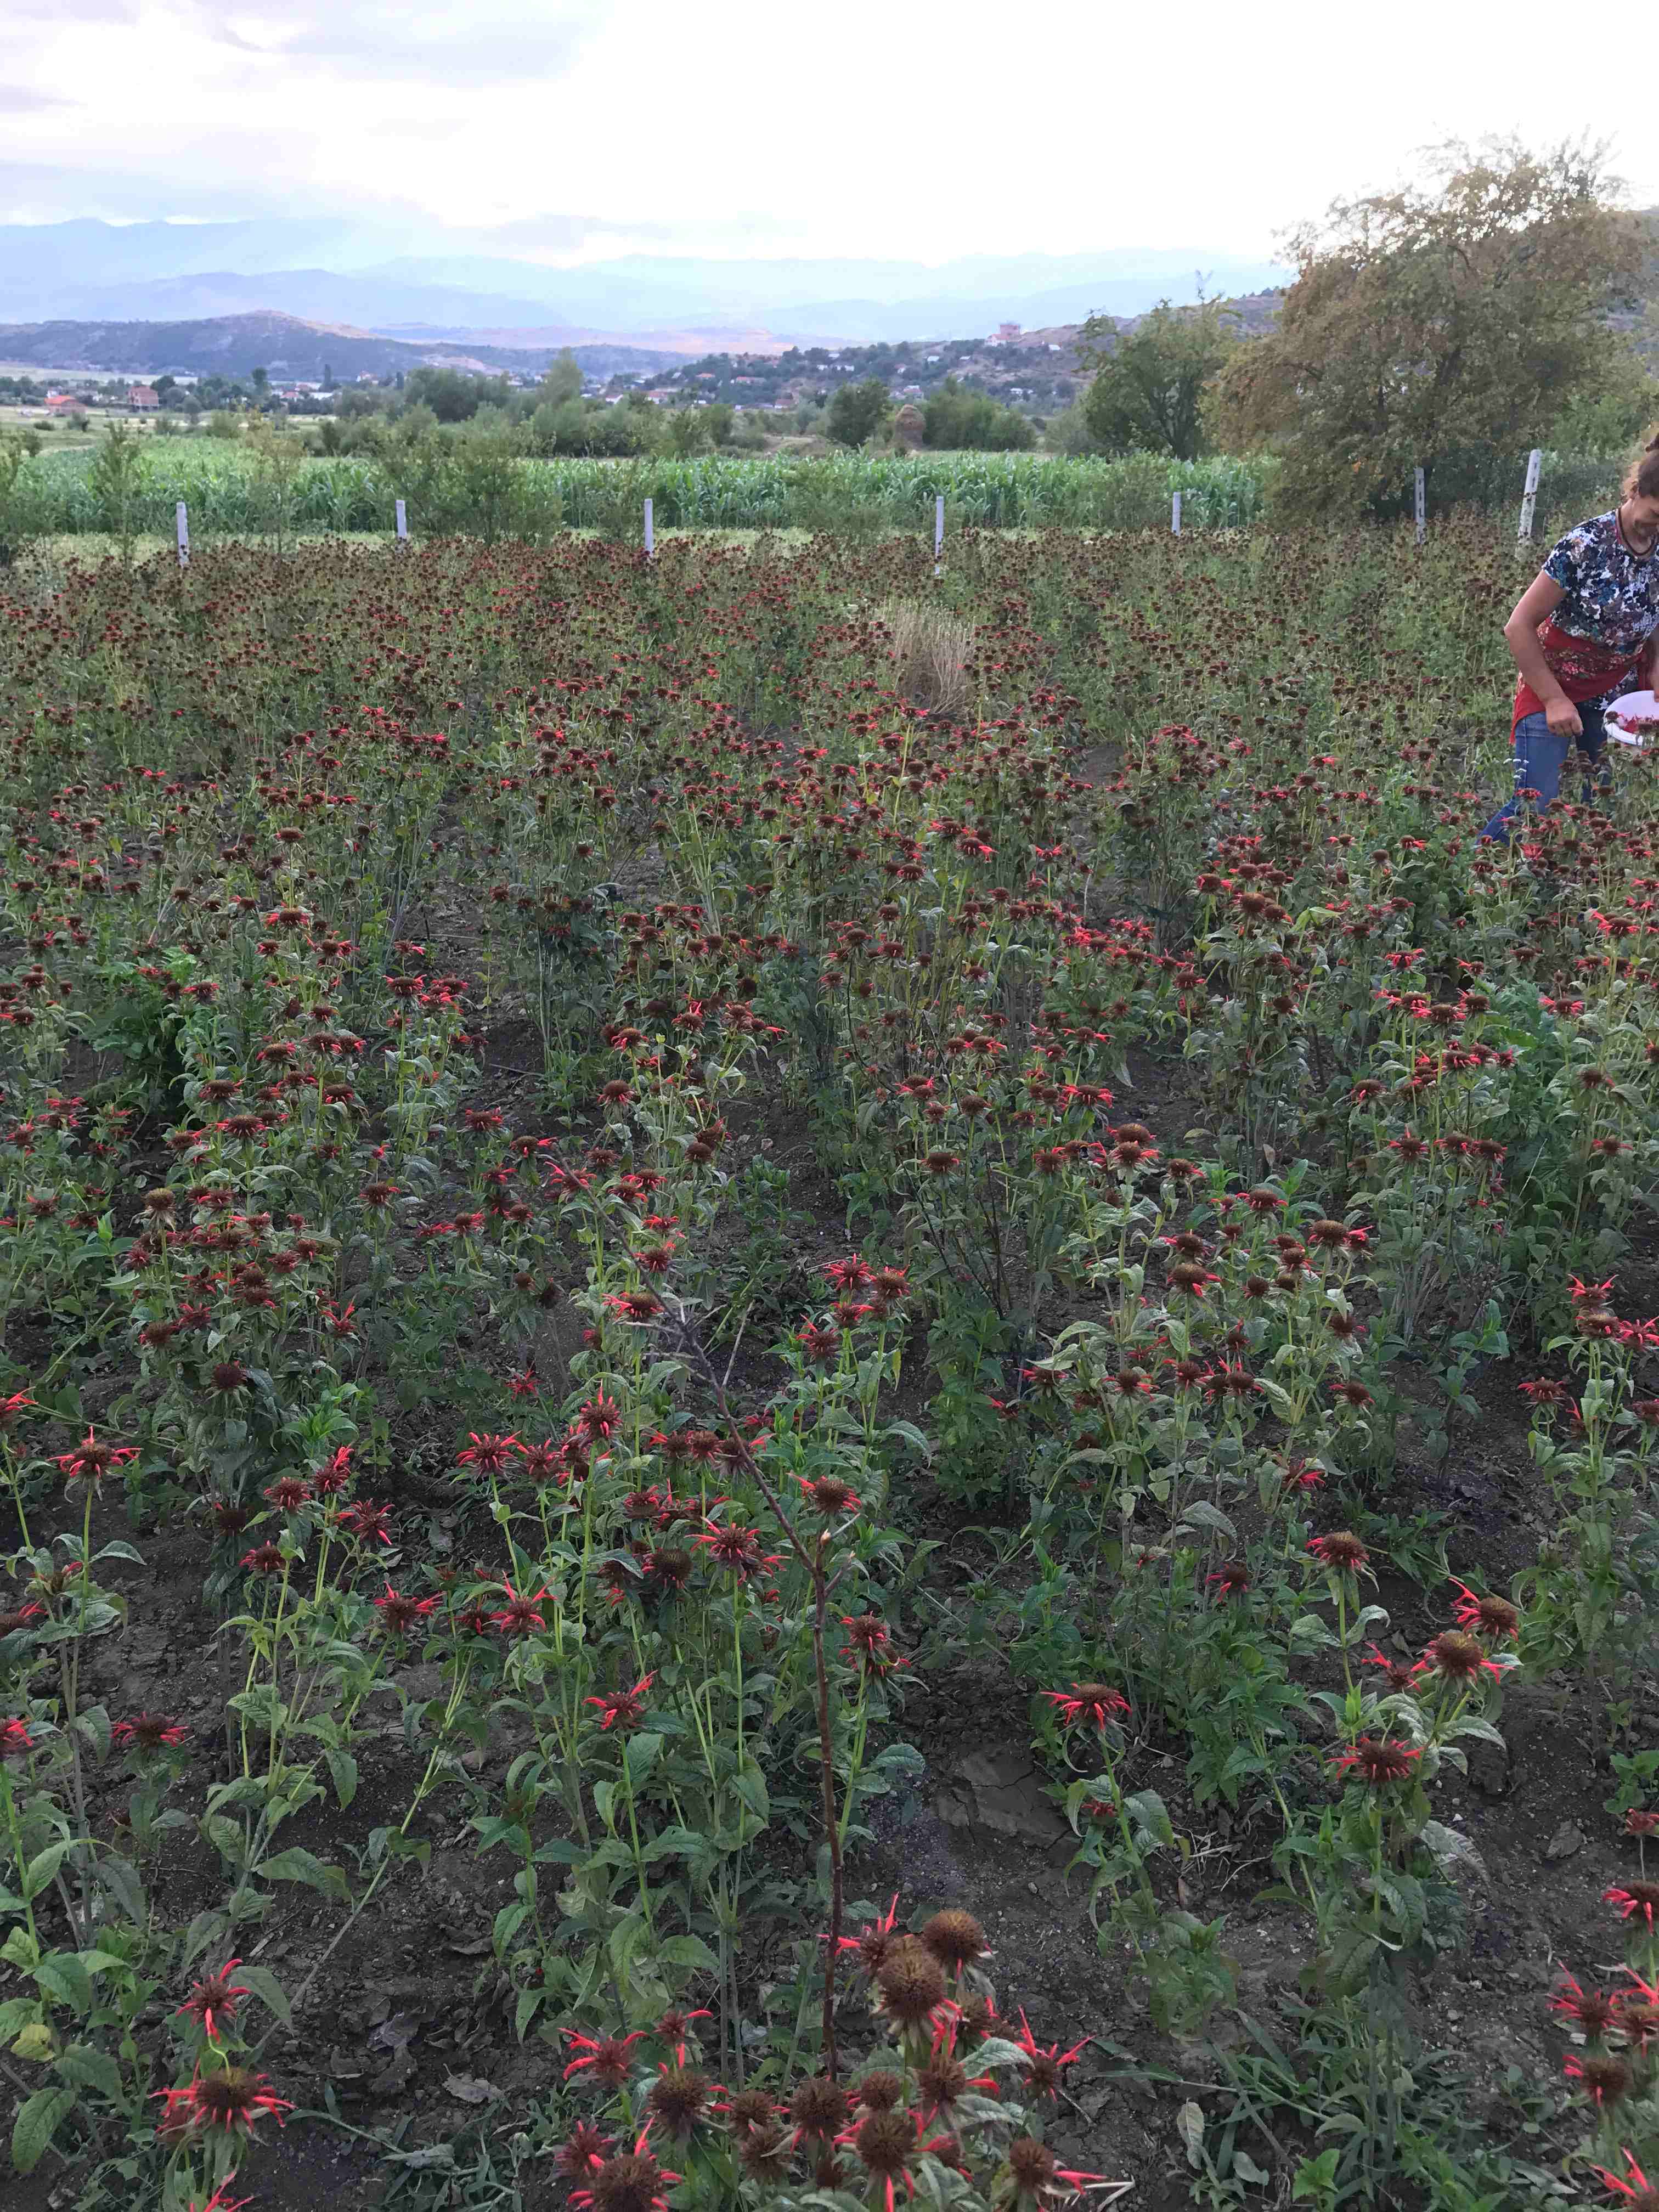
(403, 522)
(1422, 523)
(650, 534)
(1529, 494)
(1174, 516)
(938, 534)
(182, 521)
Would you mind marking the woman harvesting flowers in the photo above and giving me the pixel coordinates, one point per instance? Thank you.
(1583, 633)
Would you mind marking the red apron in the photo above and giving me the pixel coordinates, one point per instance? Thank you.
(1584, 669)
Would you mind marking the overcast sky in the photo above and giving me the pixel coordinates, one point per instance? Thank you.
(862, 127)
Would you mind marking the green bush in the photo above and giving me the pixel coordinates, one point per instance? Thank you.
(972, 421)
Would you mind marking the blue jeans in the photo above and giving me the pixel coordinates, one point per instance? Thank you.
(1540, 758)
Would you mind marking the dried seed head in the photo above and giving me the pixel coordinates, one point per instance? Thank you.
(880, 2091)
(885, 2142)
(818, 2106)
(911, 1983)
(955, 1937)
(1030, 2164)
(631, 2182)
(749, 2108)
(1605, 2078)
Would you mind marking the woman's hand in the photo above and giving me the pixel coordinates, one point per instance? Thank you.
(1563, 718)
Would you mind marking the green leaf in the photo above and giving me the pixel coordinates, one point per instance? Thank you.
(508, 1921)
(265, 1985)
(208, 1927)
(120, 1878)
(752, 1788)
(688, 1950)
(343, 1768)
(1348, 1960)
(641, 1752)
(1149, 1818)
(226, 1839)
(92, 2069)
(14, 2013)
(61, 1977)
(42, 1867)
(36, 2125)
(297, 1865)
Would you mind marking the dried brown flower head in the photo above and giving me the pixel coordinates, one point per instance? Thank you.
(955, 1938)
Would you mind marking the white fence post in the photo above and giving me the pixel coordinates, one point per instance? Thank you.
(1422, 523)
(402, 521)
(182, 521)
(650, 534)
(938, 534)
(1174, 516)
(1529, 495)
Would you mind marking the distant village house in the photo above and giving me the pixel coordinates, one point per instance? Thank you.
(142, 398)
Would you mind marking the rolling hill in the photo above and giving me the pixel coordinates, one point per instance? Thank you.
(289, 346)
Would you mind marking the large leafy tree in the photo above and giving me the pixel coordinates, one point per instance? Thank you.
(1434, 321)
(1149, 383)
(857, 412)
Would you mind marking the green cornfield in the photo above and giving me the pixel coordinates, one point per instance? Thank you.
(225, 495)
(451, 488)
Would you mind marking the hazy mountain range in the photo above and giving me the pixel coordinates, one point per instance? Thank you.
(471, 282)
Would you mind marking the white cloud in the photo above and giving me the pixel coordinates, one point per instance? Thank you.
(931, 130)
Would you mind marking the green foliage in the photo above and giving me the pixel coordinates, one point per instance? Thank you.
(454, 396)
(562, 381)
(115, 479)
(973, 422)
(1148, 391)
(1425, 324)
(857, 412)
(14, 515)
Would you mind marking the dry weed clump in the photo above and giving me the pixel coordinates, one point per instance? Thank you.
(931, 651)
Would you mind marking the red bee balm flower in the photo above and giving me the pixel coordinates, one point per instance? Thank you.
(230, 2100)
(1043, 2071)
(399, 1614)
(1592, 2010)
(1494, 1618)
(604, 2057)
(1605, 2079)
(1341, 1552)
(582, 2152)
(623, 1709)
(1091, 1705)
(150, 1732)
(214, 2004)
(1035, 2179)
(629, 2181)
(488, 1453)
(1642, 2194)
(1635, 1900)
(92, 1459)
(1378, 1761)
(15, 1742)
(520, 1615)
